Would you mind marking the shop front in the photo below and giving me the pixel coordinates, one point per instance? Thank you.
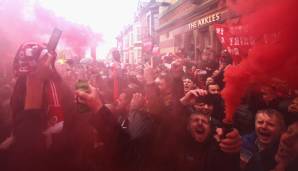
(203, 35)
(193, 32)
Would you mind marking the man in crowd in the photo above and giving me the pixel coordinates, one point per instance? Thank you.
(258, 149)
(213, 88)
(204, 150)
(188, 84)
(200, 99)
(121, 107)
(208, 62)
(199, 127)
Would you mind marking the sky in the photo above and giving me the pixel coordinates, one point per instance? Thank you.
(83, 22)
(107, 17)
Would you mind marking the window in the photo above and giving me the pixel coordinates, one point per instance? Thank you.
(131, 39)
(126, 42)
(149, 24)
(138, 34)
(132, 58)
(156, 21)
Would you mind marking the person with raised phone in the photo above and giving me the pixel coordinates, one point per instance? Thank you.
(40, 105)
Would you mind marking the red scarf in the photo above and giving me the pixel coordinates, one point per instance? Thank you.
(55, 112)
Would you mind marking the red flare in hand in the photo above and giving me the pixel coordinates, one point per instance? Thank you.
(275, 54)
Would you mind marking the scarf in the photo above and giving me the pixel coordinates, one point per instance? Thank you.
(55, 112)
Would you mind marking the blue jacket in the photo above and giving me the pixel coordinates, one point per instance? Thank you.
(254, 160)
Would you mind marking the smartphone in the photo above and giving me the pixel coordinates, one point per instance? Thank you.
(84, 86)
(54, 39)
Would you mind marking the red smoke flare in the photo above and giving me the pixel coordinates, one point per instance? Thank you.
(275, 55)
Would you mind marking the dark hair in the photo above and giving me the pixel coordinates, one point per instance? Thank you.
(213, 83)
(188, 77)
(212, 122)
(166, 77)
(201, 112)
(208, 99)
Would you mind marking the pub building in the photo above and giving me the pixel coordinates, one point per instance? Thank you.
(188, 25)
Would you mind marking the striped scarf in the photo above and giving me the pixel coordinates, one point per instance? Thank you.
(55, 112)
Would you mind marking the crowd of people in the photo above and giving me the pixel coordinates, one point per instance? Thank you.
(161, 115)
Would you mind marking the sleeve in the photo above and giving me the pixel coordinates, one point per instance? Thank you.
(178, 90)
(105, 123)
(178, 110)
(226, 162)
(109, 133)
(140, 124)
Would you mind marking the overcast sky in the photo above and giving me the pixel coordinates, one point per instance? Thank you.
(107, 17)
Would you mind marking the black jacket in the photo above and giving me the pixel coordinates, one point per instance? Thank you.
(206, 157)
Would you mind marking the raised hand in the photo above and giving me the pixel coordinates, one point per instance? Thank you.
(192, 94)
(44, 68)
(90, 98)
(231, 142)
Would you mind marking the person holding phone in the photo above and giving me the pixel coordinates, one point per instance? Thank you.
(33, 68)
(42, 107)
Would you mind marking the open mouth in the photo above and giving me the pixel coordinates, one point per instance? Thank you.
(200, 130)
(186, 88)
(265, 134)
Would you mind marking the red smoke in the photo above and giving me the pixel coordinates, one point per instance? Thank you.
(17, 26)
(78, 37)
(277, 58)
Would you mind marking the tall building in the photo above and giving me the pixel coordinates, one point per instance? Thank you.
(136, 42)
(124, 44)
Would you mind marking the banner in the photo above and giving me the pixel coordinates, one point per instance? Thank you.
(235, 39)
